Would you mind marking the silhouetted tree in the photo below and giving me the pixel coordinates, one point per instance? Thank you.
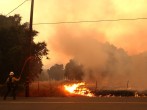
(15, 48)
(74, 71)
(56, 72)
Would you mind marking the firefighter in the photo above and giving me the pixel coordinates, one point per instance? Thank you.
(11, 85)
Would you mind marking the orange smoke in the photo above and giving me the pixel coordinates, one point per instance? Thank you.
(84, 41)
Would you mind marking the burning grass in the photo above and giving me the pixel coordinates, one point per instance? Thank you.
(70, 89)
(78, 89)
(59, 89)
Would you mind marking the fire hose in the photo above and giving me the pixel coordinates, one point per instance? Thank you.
(25, 65)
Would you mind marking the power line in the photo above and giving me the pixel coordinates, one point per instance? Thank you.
(90, 21)
(82, 21)
(17, 7)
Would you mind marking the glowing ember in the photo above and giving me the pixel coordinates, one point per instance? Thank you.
(78, 89)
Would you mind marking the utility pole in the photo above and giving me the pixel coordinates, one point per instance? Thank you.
(31, 17)
(31, 40)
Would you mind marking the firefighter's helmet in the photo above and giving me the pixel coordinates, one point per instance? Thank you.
(11, 73)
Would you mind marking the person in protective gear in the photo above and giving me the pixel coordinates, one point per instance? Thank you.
(11, 85)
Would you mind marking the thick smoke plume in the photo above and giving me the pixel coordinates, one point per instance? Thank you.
(112, 53)
(103, 62)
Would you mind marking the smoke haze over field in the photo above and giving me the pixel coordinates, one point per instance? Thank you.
(103, 62)
(111, 52)
(129, 35)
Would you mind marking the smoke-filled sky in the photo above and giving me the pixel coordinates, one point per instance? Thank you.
(86, 41)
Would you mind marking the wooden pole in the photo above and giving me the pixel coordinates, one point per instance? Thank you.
(27, 94)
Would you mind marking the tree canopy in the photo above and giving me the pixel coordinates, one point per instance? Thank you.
(16, 50)
(56, 72)
(74, 71)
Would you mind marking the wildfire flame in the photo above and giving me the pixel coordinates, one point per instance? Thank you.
(78, 89)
